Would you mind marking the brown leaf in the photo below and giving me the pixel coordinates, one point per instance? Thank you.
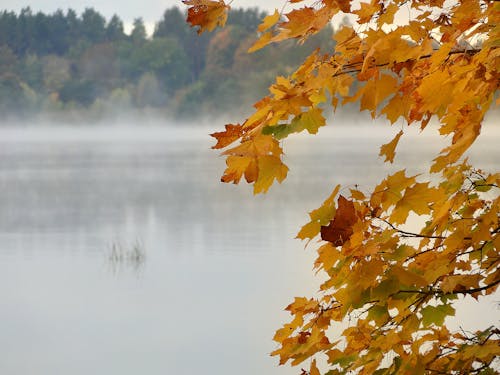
(206, 14)
(340, 228)
(302, 339)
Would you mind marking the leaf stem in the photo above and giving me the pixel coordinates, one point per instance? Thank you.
(405, 233)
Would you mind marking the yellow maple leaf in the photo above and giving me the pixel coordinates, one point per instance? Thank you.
(366, 12)
(269, 21)
(453, 283)
(417, 198)
(357, 195)
(388, 150)
(312, 120)
(435, 98)
(328, 256)
(398, 105)
(236, 166)
(256, 146)
(305, 21)
(441, 215)
(387, 16)
(345, 36)
(252, 171)
(298, 24)
(408, 278)
(263, 41)
(375, 91)
(309, 230)
(270, 168)
(389, 191)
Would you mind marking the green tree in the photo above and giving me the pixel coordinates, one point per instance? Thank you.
(114, 29)
(23, 27)
(58, 32)
(138, 34)
(173, 25)
(93, 26)
(8, 29)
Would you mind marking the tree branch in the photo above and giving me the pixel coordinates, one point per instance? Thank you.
(358, 65)
(405, 233)
(441, 293)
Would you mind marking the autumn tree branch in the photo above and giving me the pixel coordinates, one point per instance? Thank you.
(405, 233)
(358, 65)
(441, 293)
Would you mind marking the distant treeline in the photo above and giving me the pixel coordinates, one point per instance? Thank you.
(64, 62)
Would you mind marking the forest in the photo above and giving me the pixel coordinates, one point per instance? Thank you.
(65, 65)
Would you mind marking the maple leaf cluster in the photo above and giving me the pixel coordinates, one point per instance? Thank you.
(389, 290)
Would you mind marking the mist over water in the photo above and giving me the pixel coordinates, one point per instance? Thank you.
(219, 264)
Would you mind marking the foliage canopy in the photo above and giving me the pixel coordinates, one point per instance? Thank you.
(388, 289)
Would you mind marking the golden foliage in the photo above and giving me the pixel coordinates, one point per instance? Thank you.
(392, 289)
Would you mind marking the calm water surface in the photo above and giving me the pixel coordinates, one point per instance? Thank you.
(220, 265)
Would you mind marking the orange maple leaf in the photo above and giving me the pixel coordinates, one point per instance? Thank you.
(340, 228)
(228, 136)
(206, 14)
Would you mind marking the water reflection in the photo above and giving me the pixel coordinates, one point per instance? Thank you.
(126, 257)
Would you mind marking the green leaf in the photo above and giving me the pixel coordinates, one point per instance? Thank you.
(360, 297)
(385, 288)
(345, 360)
(448, 297)
(401, 252)
(278, 131)
(488, 371)
(312, 120)
(397, 363)
(482, 188)
(436, 314)
(378, 314)
(334, 372)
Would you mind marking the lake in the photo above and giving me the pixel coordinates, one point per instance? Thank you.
(219, 264)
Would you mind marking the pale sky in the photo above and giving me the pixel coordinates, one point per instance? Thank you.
(150, 10)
